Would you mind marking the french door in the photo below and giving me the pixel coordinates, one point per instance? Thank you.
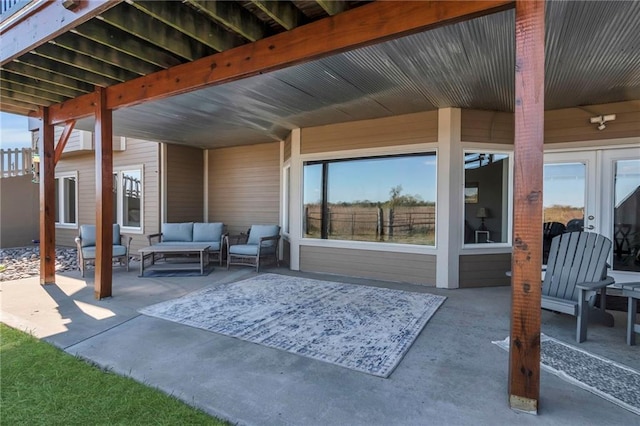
(598, 191)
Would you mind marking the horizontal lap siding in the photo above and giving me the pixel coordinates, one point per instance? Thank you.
(487, 126)
(383, 132)
(244, 186)
(185, 184)
(138, 152)
(484, 270)
(381, 265)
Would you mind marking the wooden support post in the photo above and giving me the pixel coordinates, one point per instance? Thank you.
(47, 201)
(524, 351)
(104, 196)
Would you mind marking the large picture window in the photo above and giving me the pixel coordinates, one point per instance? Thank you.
(388, 199)
(128, 201)
(66, 195)
(486, 197)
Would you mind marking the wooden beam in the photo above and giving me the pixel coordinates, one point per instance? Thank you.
(32, 92)
(189, 22)
(27, 70)
(83, 62)
(69, 71)
(47, 202)
(377, 22)
(145, 27)
(16, 107)
(524, 351)
(24, 98)
(106, 34)
(105, 54)
(104, 196)
(232, 16)
(284, 13)
(43, 24)
(332, 7)
(64, 137)
(80, 107)
(39, 84)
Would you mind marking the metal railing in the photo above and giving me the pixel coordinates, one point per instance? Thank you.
(15, 162)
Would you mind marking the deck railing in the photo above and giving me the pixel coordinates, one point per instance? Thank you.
(9, 7)
(15, 162)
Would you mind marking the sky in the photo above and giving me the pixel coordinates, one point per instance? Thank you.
(14, 131)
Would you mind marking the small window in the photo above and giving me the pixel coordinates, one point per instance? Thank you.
(128, 198)
(486, 197)
(66, 196)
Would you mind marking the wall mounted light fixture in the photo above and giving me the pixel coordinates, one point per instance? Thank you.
(600, 120)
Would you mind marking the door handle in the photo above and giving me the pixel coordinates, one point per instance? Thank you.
(590, 227)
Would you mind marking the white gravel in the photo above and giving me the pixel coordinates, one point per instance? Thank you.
(24, 262)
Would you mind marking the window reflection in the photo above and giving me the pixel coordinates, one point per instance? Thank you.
(389, 199)
(626, 213)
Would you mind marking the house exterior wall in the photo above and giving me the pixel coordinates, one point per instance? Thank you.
(561, 125)
(287, 148)
(19, 210)
(483, 270)
(244, 186)
(138, 153)
(185, 184)
(380, 265)
(399, 130)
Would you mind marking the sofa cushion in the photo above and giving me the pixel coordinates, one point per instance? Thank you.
(260, 231)
(213, 245)
(177, 231)
(205, 232)
(244, 249)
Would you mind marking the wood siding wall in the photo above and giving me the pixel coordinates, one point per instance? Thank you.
(562, 125)
(405, 129)
(484, 270)
(185, 184)
(138, 152)
(244, 186)
(381, 265)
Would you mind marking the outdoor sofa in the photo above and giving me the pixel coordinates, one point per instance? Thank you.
(186, 233)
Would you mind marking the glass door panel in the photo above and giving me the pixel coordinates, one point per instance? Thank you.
(626, 215)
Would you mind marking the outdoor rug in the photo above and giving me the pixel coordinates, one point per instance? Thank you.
(612, 381)
(368, 329)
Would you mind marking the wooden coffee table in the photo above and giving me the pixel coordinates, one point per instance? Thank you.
(202, 250)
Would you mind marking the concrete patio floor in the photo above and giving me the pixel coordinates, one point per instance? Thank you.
(452, 375)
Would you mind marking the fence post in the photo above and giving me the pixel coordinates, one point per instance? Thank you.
(353, 223)
(390, 233)
(380, 224)
(305, 221)
(2, 151)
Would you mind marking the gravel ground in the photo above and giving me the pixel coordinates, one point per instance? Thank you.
(24, 262)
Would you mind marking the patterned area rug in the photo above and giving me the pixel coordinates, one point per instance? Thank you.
(368, 329)
(612, 381)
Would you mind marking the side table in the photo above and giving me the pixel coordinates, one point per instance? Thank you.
(632, 291)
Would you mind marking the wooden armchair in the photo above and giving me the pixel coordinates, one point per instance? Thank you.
(86, 244)
(262, 241)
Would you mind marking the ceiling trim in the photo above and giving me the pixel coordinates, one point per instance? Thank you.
(366, 25)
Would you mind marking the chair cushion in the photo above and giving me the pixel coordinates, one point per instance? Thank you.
(244, 249)
(213, 245)
(260, 231)
(204, 232)
(88, 235)
(177, 231)
(90, 252)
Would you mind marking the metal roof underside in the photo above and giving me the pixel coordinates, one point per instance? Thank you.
(592, 57)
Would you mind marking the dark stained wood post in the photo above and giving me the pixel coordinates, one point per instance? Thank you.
(47, 201)
(524, 351)
(104, 196)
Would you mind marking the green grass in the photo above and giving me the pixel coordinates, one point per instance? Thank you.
(42, 385)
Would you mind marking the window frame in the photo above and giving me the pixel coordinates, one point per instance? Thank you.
(60, 205)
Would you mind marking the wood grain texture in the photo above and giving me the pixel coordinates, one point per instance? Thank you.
(47, 202)
(524, 353)
(104, 197)
(64, 138)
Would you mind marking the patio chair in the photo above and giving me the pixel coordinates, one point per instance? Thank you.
(261, 241)
(576, 272)
(86, 244)
(549, 231)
